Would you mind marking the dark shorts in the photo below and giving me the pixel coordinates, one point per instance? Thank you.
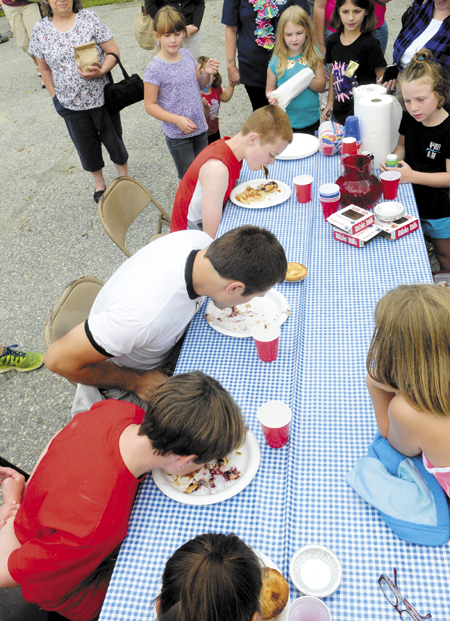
(89, 129)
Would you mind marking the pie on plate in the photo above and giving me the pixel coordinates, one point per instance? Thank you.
(274, 593)
(296, 271)
(258, 194)
(208, 479)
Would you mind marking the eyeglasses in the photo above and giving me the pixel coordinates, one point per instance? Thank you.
(394, 597)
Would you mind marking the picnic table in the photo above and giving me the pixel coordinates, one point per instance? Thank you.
(299, 495)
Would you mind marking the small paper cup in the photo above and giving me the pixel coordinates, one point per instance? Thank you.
(329, 205)
(349, 146)
(390, 180)
(275, 418)
(303, 188)
(308, 608)
(266, 339)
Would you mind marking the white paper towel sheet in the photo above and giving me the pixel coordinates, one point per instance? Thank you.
(373, 91)
(293, 87)
(375, 121)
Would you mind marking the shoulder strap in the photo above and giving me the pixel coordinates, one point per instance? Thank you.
(125, 74)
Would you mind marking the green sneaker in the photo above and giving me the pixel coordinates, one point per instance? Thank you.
(20, 360)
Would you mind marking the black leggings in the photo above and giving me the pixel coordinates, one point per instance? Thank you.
(257, 96)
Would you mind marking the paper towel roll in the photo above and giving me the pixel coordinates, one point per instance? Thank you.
(366, 90)
(375, 122)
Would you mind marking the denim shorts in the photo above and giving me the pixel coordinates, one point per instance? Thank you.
(185, 150)
(436, 229)
(89, 129)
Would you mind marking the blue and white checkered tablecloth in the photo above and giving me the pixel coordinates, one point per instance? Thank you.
(299, 495)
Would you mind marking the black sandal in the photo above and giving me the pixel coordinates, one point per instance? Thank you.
(98, 194)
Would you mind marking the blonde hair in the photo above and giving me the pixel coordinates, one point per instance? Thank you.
(271, 123)
(423, 69)
(410, 347)
(168, 19)
(310, 55)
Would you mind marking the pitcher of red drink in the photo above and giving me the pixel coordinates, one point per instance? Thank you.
(359, 186)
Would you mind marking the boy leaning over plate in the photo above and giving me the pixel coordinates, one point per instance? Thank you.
(60, 544)
(208, 182)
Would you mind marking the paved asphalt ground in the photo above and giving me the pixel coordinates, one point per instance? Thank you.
(50, 232)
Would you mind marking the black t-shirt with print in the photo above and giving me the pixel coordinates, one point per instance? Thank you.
(366, 51)
(426, 150)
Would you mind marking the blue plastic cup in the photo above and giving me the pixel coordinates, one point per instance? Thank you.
(351, 129)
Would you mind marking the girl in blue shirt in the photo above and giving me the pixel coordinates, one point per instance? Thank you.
(295, 49)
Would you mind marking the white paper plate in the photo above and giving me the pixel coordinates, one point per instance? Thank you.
(302, 145)
(315, 570)
(246, 459)
(272, 308)
(276, 198)
(267, 562)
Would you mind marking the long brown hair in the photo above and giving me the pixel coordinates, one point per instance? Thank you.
(425, 70)
(214, 577)
(410, 348)
(369, 22)
(310, 55)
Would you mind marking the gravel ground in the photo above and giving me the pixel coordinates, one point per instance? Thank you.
(50, 233)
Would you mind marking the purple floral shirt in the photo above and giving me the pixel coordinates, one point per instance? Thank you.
(179, 92)
(56, 48)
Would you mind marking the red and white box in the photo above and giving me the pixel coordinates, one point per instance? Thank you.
(352, 219)
(394, 230)
(358, 240)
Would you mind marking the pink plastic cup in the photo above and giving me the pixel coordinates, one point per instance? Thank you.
(390, 180)
(266, 339)
(308, 608)
(349, 146)
(329, 205)
(275, 417)
(303, 188)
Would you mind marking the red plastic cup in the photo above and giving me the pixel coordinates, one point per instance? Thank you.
(349, 146)
(303, 188)
(390, 180)
(275, 417)
(329, 206)
(266, 339)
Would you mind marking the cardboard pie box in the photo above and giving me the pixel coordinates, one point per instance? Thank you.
(394, 230)
(352, 219)
(358, 240)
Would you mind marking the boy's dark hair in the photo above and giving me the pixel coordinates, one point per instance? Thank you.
(251, 255)
(369, 21)
(215, 577)
(193, 414)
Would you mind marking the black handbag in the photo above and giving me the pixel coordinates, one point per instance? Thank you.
(121, 94)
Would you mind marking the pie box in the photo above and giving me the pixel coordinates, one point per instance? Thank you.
(394, 230)
(358, 240)
(352, 219)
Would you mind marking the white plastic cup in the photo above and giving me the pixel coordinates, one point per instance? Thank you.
(308, 608)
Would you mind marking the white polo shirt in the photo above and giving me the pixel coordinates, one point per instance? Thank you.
(145, 307)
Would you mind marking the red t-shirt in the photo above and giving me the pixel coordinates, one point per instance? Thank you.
(75, 511)
(187, 198)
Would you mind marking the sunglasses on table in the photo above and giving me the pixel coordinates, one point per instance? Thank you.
(394, 597)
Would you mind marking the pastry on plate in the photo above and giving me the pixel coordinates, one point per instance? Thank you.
(296, 271)
(274, 593)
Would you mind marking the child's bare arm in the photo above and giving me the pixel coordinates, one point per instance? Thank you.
(8, 543)
(12, 484)
(213, 177)
(151, 106)
(432, 180)
(326, 114)
(379, 72)
(271, 85)
(381, 398)
(405, 427)
(319, 80)
(227, 93)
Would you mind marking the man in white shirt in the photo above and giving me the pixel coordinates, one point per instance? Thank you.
(122, 349)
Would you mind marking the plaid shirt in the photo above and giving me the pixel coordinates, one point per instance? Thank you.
(419, 19)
